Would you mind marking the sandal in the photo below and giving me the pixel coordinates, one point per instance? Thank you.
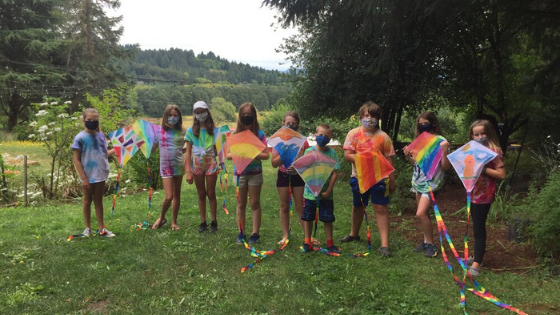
(161, 223)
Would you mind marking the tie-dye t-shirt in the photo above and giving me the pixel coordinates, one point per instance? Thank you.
(203, 145)
(93, 155)
(255, 167)
(485, 187)
(171, 158)
(420, 181)
(307, 193)
(359, 141)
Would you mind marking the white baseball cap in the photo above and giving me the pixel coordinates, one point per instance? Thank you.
(200, 104)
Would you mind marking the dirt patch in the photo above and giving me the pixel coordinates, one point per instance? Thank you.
(98, 306)
(501, 254)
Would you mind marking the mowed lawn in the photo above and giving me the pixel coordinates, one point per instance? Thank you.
(184, 272)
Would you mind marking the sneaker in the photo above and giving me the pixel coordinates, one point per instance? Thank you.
(333, 249)
(349, 238)
(385, 252)
(107, 233)
(430, 251)
(203, 227)
(254, 238)
(306, 247)
(87, 232)
(240, 238)
(214, 227)
(421, 247)
(474, 272)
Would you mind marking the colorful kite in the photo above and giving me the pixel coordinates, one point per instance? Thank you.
(147, 132)
(287, 143)
(426, 152)
(125, 143)
(315, 168)
(220, 136)
(468, 161)
(244, 147)
(371, 168)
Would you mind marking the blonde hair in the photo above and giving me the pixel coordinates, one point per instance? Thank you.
(491, 136)
(326, 127)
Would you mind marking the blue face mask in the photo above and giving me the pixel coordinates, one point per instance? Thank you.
(172, 120)
(322, 140)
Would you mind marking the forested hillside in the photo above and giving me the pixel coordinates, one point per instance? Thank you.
(181, 77)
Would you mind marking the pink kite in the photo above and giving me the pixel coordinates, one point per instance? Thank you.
(244, 147)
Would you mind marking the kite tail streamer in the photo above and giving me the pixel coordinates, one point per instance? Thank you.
(467, 235)
(150, 191)
(116, 190)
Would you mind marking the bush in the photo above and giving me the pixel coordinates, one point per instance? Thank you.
(137, 169)
(401, 199)
(543, 208)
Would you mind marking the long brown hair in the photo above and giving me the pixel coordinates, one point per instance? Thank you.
(209, 124)
(491, 136)
(168, 109)
(254, 127)
(431, 117)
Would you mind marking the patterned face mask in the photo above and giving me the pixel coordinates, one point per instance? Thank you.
(172, 120)
(369, 123)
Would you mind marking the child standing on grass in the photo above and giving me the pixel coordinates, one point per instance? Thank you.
(91, 162)
(363, 139)
(427, 122)
(323, 135)
(169, 136)
(251, 179)
(200, 163)
(285, 180)
(484, 190)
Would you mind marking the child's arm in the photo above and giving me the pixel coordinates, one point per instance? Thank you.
(392, 182)
(498, 173)
(188, 168)
(329, 190)
(408, 156)
(445, 164)
(276, 160)
(264, 155)
(349, 156)
(110, 152)
(80, 168)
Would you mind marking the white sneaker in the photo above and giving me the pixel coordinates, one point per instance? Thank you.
(107, 233)
(87, 232)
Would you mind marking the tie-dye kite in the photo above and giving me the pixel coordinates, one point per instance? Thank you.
(315, 169)
(125, 143)
(220, 136)
(147, 132)
(244, 148)
(288, 143)
(371, 168)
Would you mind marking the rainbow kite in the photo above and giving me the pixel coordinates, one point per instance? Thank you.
(468, 161)
(125, 143)
(147, 132)
(288, 143)
(371, 168)
(315, 168)
(220, 136)
(244, 148)
(426, 152)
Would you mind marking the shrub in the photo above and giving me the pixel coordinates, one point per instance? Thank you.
(401, 199)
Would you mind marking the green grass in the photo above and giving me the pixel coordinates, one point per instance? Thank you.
(166, 272)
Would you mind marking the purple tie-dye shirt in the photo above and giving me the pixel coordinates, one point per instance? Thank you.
(171, 158)
(93, 155)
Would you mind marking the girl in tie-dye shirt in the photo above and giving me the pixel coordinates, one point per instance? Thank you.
(91, 161)
(169, 136)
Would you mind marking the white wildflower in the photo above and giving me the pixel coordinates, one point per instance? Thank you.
(68, 102)
(44, 104)
(33, 123)
(42, 112)
(57, 129)
(127, 181)
(43, 138)
(49, 133)
(31, 136)
(548, 137)
(63, 115)
(43, 128)
(52, 123)
(74, 118)
(54, 103)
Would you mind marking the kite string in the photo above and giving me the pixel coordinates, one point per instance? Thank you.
(116, 190)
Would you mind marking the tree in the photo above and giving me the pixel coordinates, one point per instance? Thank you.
(222, 110)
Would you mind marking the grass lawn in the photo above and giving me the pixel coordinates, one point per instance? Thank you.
(184, 272)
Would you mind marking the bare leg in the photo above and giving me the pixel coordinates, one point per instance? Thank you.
(211, 193)
(357, 219)
(98, 189)
(242, 206)
(168, 188)
(201, 192)
(177, 181)
(283, 193)
(255, 199)
(422, 214)
(86, 205)
(382, 218)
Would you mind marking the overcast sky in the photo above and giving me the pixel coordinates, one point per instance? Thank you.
(235, 30)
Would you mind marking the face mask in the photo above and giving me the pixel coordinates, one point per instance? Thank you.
(201, 117)
(292, 126)
(481, 140)
(172, 120)
(247, 120)
(369, 123)
(322, 140)
(92, 124)
(425, 127)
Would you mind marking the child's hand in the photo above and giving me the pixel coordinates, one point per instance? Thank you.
(406, 151)
(189, 177)
(85, 184)
(292, 170)
(326, 193)
(444, 146)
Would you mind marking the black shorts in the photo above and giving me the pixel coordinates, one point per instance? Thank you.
(284, 179)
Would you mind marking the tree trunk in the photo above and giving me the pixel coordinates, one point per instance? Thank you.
(15, 107)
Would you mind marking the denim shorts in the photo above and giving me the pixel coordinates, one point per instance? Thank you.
(326, 210)
(377, 193)
(284, 180)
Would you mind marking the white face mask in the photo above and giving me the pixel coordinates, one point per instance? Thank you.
(172, 120)
(201, 117)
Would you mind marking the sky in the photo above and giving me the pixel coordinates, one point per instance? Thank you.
(237, 30)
